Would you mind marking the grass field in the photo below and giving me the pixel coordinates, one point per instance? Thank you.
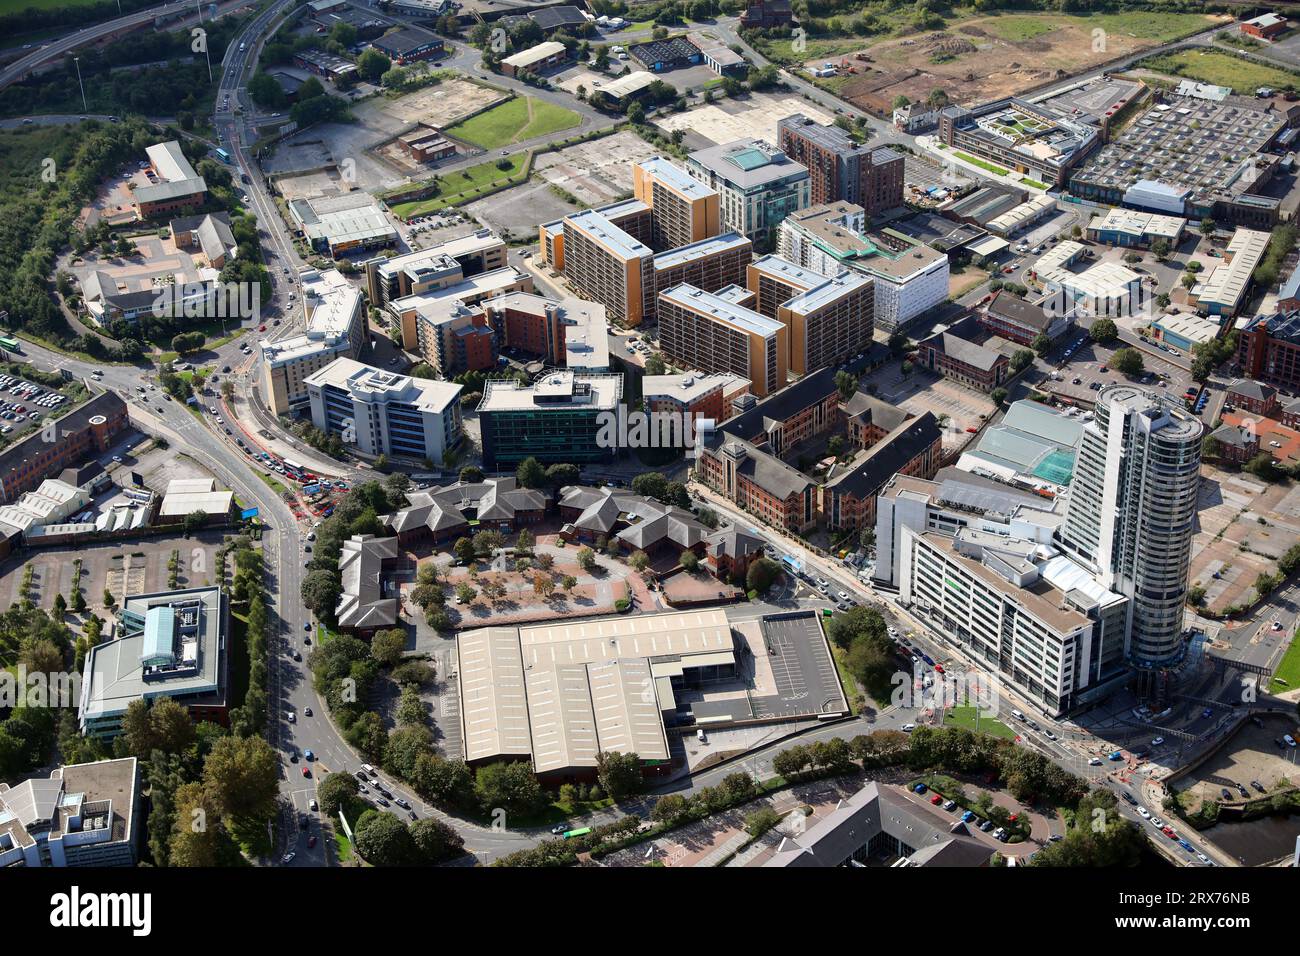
(1019, 29)
(1288, 669)
(514, 121)
(467, 185)
(965, 717)
(1222, 69)
(976, 161)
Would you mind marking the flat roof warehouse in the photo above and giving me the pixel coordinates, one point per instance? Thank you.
(562, 693)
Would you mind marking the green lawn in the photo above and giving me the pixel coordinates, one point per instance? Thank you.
(1019, 29)
(464, 186)
(1288, 669)
(514, 121)
(1222, 69)
(966, 717)
(1035, 183)
(975, 161)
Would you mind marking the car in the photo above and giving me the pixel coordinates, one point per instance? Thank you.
(1277, 625)
(307, 627)
(1207, 712)
(306, 711)
(842, 595)
(225, 368)
(1158, 823)
(1169, 832)
(1144, 813)
(118, 459)
(313, 806)
(986, 825)
(908, 728)
(1242, 790)
(293, 718)
(936, 799)
(1128, 798)
(1049, 735)
(1225, 793)
(297, 657)
(311, 840)
(1157, 741)
(287, 859)
(401, 803)
(306, 771)
(293, 755)
(950, 805)
(1258, 786)
(1094, 762)
(1288, 740)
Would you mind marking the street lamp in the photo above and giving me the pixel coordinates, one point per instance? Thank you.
(76, 60)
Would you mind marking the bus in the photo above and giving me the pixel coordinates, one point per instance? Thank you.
(222, 155)
(292, 469)
(570, 834)
(10, 344)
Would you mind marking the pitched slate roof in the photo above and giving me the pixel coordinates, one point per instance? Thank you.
(888, 456)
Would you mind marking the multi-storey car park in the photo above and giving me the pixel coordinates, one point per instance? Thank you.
(1192, 155)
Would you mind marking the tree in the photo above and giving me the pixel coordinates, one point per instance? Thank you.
(671, 809)
(1207, 226)
(372, 65)
(435, 840)
(651, 484)
(998, 396)
(543, 585)
(586, 559)
(761, 574)
(531, 474)
(639, 561)
(1021, 359)
(162, 725)
(1041, 345)
(689, 561)
(384, 840)
(388, 646)
(338, 791)
(525, 541)
(619, 773)
(1103, 330)
(562, 474)
(1160, 249)
(1127, 361)
(321, 591)
(846, 383)
(507, 786)
(464, 549)
(194, 521)
(242, 777)
(471, 474)
(900, 101)
(654, 365)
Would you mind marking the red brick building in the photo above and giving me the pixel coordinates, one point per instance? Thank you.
(1265, 27)
(731, 552)
(1255, 397)
(83, 433)
(1235, 444)
(1268, 349)
(915, 448)
(963, 360)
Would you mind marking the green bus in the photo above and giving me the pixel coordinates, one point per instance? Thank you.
(570, 834)
(10, 344)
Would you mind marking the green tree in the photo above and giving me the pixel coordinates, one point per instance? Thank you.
(372, 65)
(586, 559)
(1041, 345)
(1021, 359)
(531, 474)
(387, 647)
(507, 786)
(619, 773)
(242, 777)
(1103, 330)
(1127, 361)
(464, 549)
(384, 840)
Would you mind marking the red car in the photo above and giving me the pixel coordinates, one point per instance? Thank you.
(306, 771)
(973, 431)
(262, 327)
(938, 668)
(936, 799)
(1169, 832)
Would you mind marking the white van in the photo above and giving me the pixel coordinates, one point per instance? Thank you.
(369, 770)
(1018, 715)
(700, 736)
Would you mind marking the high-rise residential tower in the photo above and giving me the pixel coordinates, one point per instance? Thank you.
(1131, 513)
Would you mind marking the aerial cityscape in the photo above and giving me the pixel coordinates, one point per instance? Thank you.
(684, 433)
